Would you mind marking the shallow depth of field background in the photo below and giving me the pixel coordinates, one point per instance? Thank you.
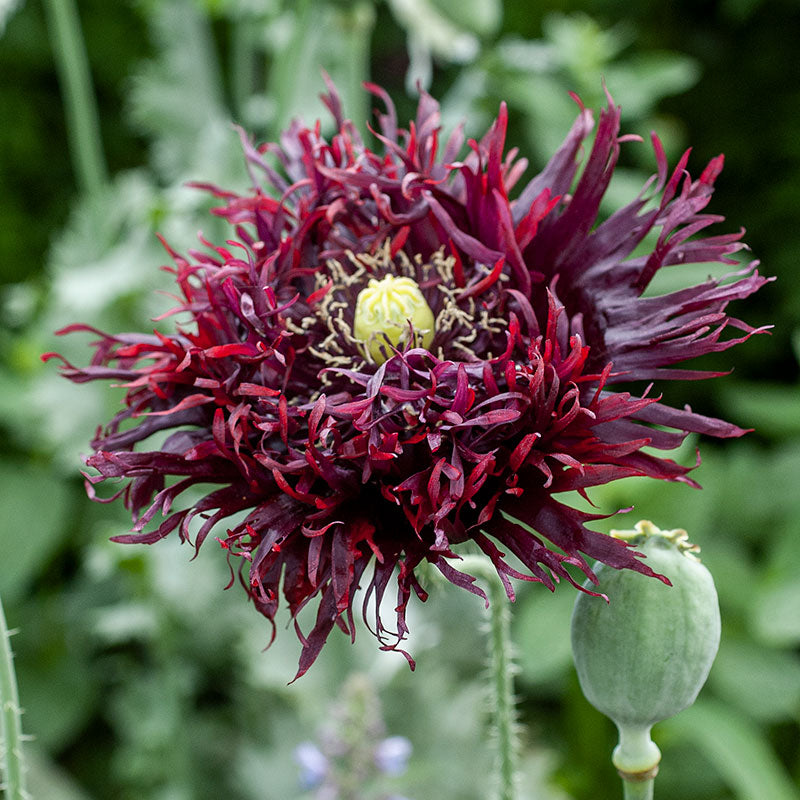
(142, 679)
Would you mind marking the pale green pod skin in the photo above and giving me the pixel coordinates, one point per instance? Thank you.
(388, 311)
(644, 656)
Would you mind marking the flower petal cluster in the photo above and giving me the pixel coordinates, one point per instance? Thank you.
(331, 469)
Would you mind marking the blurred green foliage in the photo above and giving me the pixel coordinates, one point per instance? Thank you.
(141, 677)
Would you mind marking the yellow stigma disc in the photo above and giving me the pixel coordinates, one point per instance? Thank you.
(389, 309)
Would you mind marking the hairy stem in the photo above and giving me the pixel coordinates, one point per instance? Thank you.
(503, 683)
(11, 727)
(83, 127)
(501, 666)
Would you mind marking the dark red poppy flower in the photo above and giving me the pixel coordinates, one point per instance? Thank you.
(391, 357)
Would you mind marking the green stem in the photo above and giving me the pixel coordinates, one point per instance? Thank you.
(286, 69)
(83, 127)
(502, 674)
(503, 682)
(11, 727)
(243, 55)
(636, 758)
(356, 26)
(641, 790)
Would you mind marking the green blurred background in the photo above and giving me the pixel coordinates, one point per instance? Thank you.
(140, 676)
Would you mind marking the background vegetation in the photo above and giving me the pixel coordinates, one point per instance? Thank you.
(140, 677)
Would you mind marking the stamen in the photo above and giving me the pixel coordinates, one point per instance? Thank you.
(376, 301)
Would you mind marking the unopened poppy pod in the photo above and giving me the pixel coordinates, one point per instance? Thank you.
(644, 655)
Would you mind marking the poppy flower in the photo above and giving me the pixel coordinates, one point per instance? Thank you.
(398, 351)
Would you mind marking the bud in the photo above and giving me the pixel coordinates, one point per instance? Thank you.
(389, 309)
(644, 656)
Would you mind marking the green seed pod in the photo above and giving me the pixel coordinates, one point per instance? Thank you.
(390, 309)
(644, 656)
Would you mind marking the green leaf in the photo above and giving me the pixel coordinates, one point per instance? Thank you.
(47, 779)
(736, 748)
(7, 10)
(775, 615)
(541, 620)
(642, 80)
(436, 33)
(772, 409)
(480, 16)
(31, 525)
(583, 44)
(56, 684)
(778, 695)
(177, 98)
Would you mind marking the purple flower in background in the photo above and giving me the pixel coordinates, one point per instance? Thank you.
(394, 353)
(313, 764)
(392, 754)
(353, 752)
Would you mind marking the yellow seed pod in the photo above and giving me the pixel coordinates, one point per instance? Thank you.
(389, 309)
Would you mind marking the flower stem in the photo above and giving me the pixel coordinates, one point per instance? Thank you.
(636, 758)
(639, 790)
(243, 56)
(83, 127)
(503, 686)
(287, 69)
(501, 666)
(356, 24)
(11, 727)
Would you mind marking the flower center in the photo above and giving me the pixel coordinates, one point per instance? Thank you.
(369, 303)
(391, 311)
